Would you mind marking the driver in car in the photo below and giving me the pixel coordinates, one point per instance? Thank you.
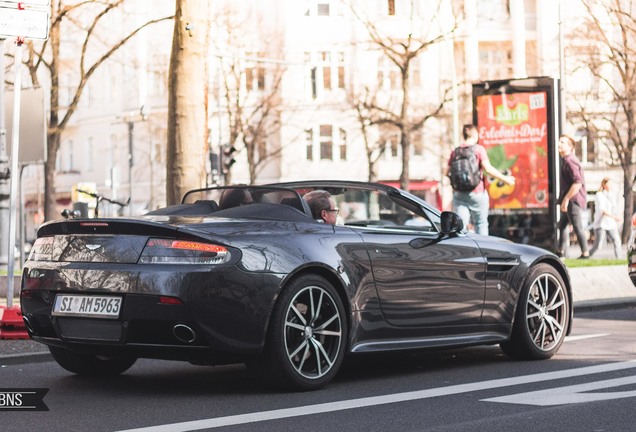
(322, 205)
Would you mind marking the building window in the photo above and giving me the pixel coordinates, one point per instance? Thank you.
(495, 60)
(309, 144)
(388, 74)
(254, 73)
(414, 74)
(323, 9)
(332, 143)
(158, 76)
(261, 150)
(89, 155)
(393, 146)
(325, 59)
(343, 144)
(326, 142)
(391, 7)
(340, 69)
(493, 11)
(58, 160)
(318, 8)
(417, 143)
(326, 71)
(389, 140)
(70, 157)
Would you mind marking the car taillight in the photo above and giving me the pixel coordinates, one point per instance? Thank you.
(42, 249)
(164, 251)
(170, 300)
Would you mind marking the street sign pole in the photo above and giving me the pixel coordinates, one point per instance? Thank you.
(31, 20)
(4, 167)
(15, 172)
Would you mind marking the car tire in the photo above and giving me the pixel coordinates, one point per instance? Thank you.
(307, 336)
(86, 364)
(542, 316)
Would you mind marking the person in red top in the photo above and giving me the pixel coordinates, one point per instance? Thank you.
(473, 205)
(572, 197)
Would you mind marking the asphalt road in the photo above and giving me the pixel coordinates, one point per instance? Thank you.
(589, 386)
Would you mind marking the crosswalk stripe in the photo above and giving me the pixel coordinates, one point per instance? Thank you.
(383, 399)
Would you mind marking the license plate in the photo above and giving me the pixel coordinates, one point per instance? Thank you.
(87, 306)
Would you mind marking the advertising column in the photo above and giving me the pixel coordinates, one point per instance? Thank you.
(518, 127)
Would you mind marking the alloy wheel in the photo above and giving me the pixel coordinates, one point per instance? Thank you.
(313, 332)
(546, 312)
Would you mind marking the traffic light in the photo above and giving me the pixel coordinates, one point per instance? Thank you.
(227, 157)
(214, 164)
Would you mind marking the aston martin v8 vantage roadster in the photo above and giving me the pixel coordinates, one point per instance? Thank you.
(245, 274)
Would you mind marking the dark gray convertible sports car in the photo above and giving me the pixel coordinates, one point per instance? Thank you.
(257, 280)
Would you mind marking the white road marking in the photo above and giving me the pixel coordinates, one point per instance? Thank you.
(582, 337)
(381, 400)
(570, 394)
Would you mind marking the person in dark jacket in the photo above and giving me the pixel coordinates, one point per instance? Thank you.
(572, 197)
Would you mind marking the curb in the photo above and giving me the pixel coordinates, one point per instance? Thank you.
(17, 359)
(604, 304)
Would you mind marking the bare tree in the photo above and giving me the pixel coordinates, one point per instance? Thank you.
(374, 149)
(606, 42)
(402, 52)
(250, 76)
(252, 109)
(87, 20)
(187, 145)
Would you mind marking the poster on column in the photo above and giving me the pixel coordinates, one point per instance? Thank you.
(513, 127)
(518, 122)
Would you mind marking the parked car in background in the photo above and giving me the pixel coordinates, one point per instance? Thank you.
(262, 282)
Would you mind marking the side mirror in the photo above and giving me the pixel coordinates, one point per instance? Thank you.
(451, 223)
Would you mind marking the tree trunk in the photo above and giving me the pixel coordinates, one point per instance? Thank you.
(628, 195)
(405, 137)
(50, 198)
(54, 134)
(187, 144)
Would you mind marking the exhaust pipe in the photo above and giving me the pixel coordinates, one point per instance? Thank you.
(184, 333)
(27, 324)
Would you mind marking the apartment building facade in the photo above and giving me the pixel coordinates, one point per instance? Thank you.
(324, 53)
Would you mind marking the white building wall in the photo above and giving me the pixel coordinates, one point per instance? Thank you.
(132, 79)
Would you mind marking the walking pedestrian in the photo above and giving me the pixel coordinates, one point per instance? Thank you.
(465, 165)
(605, 221)
(572, 199)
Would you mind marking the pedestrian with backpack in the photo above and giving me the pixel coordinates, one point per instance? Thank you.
(465, 168)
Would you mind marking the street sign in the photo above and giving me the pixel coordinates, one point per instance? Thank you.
(30, 2)
(33, 131)
(28, 23)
